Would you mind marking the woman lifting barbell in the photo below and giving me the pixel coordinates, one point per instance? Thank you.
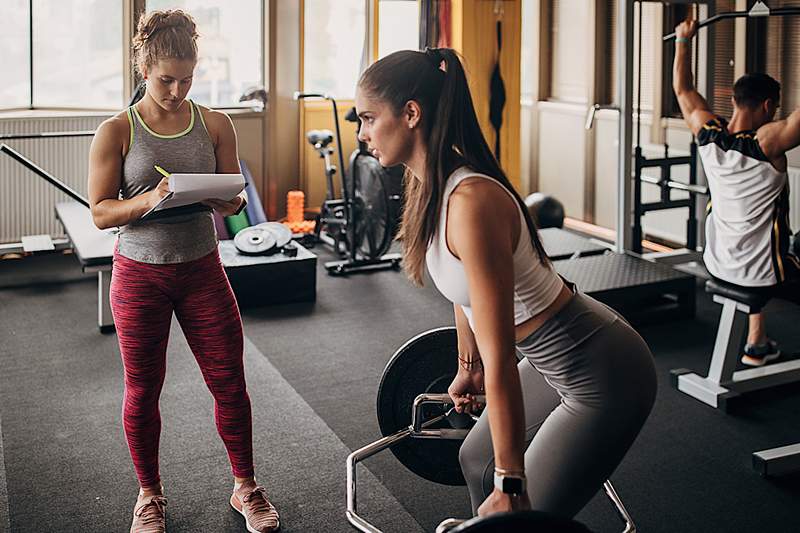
(559, 422)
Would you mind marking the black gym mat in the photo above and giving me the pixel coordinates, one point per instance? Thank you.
(4, 524)
(68, 468)
(688, 471)
(334, 352)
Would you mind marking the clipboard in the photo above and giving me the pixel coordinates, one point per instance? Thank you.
(187, 189)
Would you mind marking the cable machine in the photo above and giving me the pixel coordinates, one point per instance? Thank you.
(630, 220)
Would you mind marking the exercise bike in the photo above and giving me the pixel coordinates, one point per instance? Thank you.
(358, 226)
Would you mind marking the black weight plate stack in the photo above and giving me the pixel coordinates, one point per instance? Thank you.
(425, 364)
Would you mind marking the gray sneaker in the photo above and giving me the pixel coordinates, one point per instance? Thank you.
(760, 354)
(149, 515)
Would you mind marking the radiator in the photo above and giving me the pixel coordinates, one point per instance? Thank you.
(27, 202)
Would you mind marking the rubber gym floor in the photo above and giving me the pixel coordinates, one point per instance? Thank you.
(313, 372)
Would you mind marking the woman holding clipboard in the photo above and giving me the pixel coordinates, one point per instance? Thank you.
(169, 262)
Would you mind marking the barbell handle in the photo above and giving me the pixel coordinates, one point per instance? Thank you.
(422, 399)
(449, 523)
(758, 10)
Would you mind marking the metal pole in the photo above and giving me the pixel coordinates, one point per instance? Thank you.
(624, 99)
(30, 51)
(39, 171)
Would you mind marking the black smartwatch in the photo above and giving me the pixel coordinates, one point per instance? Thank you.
(509, 484)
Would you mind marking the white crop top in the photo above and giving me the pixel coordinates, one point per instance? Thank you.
(536, 285)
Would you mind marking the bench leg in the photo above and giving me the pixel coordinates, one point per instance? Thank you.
(724, 383)
(105, 319)
(777, 461)
(712, 390)
(727, 347)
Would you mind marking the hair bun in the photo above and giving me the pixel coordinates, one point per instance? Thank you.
(157, 21)
(152, 43)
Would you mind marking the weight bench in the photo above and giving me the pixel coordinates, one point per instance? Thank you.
(561, 244)
(723, 382)
(256, 280)
(94, 249)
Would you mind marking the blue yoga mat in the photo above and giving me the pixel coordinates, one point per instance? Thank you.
(222, 229)
(254, 209)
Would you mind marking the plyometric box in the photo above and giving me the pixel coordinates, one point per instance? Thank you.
(270, 279)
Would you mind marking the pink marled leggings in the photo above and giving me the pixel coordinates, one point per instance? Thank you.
(143, 298)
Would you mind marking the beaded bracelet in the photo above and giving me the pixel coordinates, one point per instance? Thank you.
(469, 364)
(505, 472)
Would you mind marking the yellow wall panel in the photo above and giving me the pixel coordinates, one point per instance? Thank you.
(475, 37)
(318, 115)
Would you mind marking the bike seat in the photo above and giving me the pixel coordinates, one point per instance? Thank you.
(320, 137)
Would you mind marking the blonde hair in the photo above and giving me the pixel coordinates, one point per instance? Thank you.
(170, 34)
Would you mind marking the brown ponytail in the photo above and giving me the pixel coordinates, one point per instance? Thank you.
(453, 137)
(170, 34)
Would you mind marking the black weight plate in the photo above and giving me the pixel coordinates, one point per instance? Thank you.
(521, 521)
(426, 363)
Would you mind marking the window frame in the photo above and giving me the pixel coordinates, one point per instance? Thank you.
(132, 10)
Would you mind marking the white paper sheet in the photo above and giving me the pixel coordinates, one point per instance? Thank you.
(188, 189)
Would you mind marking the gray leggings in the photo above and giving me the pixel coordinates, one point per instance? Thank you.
(588, 384)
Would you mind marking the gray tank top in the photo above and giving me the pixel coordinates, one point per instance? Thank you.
(176, 235)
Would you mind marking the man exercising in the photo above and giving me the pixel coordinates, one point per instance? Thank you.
(747, 233)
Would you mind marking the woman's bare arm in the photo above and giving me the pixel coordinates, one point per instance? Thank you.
(480, 228)
(105, 178)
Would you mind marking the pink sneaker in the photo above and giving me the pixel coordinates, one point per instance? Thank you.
(260, 516)
(149, 515)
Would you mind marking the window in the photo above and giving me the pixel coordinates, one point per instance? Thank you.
(781, 56)
(76, 55)
(648, 53)
(722, 55)
(333, 46)
(609, 44)
(398, 26)
(15, 91)
(673, 15)
(528, 52)
(568, 63)
(229, 48)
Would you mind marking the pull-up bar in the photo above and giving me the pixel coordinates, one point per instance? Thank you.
(760, 9)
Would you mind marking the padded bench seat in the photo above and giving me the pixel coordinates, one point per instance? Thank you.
(753, 297)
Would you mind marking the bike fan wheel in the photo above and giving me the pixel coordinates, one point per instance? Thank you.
(371, 216)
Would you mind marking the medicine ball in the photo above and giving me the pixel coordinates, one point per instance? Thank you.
(546, 211)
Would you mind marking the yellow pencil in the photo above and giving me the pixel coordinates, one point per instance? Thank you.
(161, 171)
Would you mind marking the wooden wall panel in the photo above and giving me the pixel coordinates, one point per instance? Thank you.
(475, 37)
(318, 115)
